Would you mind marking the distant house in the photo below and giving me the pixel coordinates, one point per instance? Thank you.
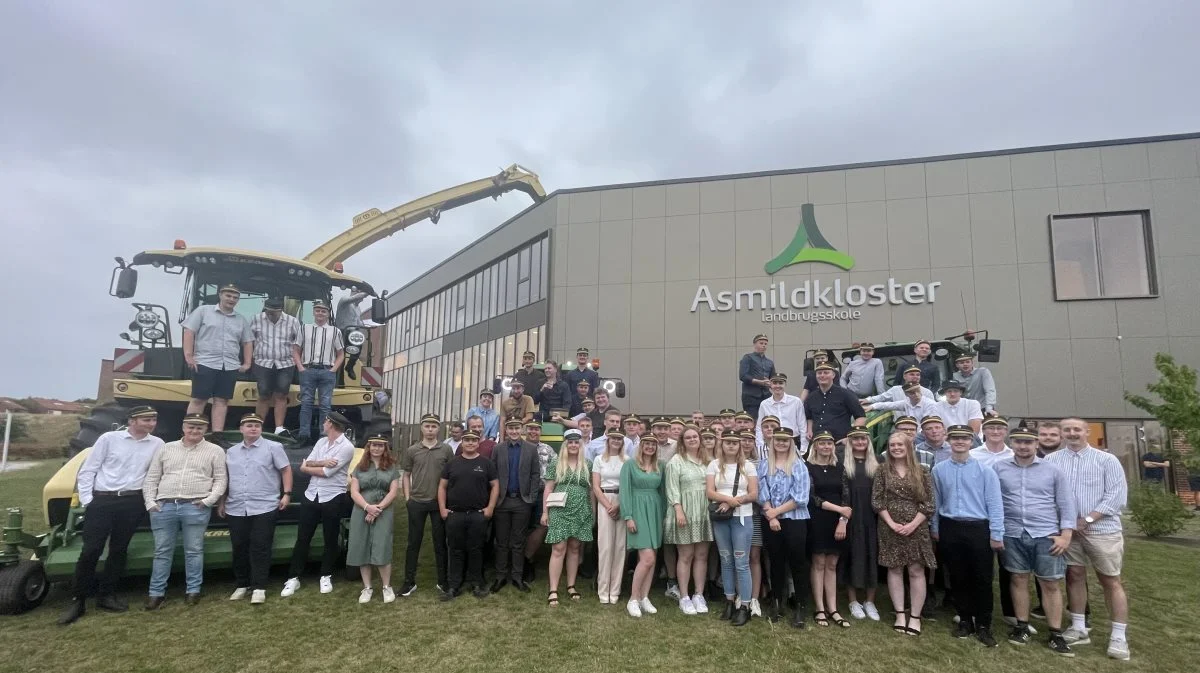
(42, 405)
(9, 404)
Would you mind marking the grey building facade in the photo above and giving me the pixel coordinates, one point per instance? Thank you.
(1083, 259)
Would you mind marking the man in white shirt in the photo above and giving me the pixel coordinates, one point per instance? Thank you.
(896, 393)
(959, 410)
(325, 501)
(595, 447)
(914, 404)
(787, 409)
(456, 433)
(994, 448)
(863, 376)
(633, 434)
(110, 489)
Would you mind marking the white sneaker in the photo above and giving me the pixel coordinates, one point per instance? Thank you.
(258, 597)
(1076, 637)
(672, 591)
(389, 595)
(871, 610)
(238, 594)
(633, 608)
(1118, 649)
(686, 606)
(363, 597)
(700, 604)
(755, 610)
(647, 606)
(290, 587)
(604, 600)
(856, 610)
(279, 430)
(326, 584)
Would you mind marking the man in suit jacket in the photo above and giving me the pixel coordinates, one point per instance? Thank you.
(520, 474)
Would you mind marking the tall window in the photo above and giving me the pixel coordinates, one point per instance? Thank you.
(1102, 256)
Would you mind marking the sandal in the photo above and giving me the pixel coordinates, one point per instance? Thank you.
(901, 628)
(839, 620)
(820, 619)
(909, 630)
(552, 599)
(575, 595)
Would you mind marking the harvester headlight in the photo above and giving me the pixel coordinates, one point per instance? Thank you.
(146, 319)
(356, 338)
(154, 334)
(353, 350)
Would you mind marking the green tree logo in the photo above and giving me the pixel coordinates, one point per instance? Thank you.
(809, 245)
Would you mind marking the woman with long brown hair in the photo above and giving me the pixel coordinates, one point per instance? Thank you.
(687, 525)
(642, 508)
(903, 497)
(373, 488)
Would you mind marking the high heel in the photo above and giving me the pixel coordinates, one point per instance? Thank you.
(901, 628)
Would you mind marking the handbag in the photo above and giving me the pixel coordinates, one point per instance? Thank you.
(556, 499)
(714, 511)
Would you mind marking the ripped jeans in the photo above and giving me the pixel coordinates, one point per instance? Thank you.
(733, 545)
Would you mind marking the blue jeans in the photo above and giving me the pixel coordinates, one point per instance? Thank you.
(320, 381)
(166, 524)
(733, 546)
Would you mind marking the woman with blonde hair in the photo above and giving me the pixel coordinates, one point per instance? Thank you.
(860, 561)
(732, 484)
(642, 508)
(568, 516)
(750, 453)
(783, 492)
(610, 530)
(827, 530)
(903, 497)
(687, 525)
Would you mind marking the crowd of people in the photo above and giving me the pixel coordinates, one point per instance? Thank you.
(952, 494)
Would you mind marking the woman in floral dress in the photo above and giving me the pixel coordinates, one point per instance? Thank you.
(687, 525)
(903, 497)
(571, 524)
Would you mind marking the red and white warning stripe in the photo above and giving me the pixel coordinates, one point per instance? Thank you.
(370, 377)
(129, 360)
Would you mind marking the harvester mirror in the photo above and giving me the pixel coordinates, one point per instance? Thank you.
(379, 310)
(988, 350)
(123, 284)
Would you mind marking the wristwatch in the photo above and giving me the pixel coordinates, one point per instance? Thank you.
(1089, 519)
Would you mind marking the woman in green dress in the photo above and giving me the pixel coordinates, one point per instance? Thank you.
(687, 525)
(373, 488)
(642, 508)
(570, 524)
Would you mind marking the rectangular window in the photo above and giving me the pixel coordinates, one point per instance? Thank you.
(487, 293)
(535, 273)
(510, 290)
(501, 269)
(523, 264)
(545, 273)
(1102, 256)
(470, 302)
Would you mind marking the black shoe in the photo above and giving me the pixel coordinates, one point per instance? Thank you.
(407, 589)
(793, 602)
(450, 595)
(522, 586)
(192, 599)
(73, 612)
(480, 592)
(498, 585)
(928, 610)
(529, 573)
(1018, 635)
(741, 616)
(984, 634)
(1038, 613)
(727, 613)
(112, 603)
(773, 611)
(798, 617)
(154, 603)
(1059, 646)
(963, 629)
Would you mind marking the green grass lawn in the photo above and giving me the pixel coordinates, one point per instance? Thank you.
(517, 632)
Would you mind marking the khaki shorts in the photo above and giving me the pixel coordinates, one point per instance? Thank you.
(1102, 552)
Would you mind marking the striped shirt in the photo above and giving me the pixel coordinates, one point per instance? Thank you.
(273, 340)
(1097, 483)
(179, 471)
(322, 343)
(776, 487)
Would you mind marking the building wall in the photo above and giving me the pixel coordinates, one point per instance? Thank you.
(627, 262)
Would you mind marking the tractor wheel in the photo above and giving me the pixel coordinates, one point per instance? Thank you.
(23, 587)
(103, 418)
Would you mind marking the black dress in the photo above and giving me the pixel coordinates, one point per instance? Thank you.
(860, 564)
(826, 486)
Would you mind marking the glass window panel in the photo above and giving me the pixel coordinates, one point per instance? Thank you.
(433, 348)
(535, 273)
(511, 359)
(499, 364)
(510, 288)
(523, 293)
(520, 343)
(451, 385)
(523, 264)
(460, 370)
(541, 342)
(439, 328)
(487, 293)
(416, 353)
(467, 372)
(501, 281)
(1076, 264)
(545, 273)
(480, 314)
(469, 302)
(1123, 265)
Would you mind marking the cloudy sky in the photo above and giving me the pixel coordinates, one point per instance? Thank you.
(268, 125)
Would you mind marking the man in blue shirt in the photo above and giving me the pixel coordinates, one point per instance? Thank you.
(1039, 519)
(487, 412)
(519, 472)
(755, 372)
(968, 525)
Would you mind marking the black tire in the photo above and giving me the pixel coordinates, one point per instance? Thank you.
(23, 587)
(102, 419)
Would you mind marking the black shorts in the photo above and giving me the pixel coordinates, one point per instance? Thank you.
(208, 383)
(271, 381)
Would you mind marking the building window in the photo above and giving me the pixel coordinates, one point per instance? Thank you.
(1102, 256)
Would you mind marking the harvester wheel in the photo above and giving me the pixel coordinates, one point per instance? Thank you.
(103, 418)
(23, 587)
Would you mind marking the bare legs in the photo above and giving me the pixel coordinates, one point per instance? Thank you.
(823, 577)
(692, 565)
(643, 574)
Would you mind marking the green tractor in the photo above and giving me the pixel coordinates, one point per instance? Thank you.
(896, 356)
(25, 583)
